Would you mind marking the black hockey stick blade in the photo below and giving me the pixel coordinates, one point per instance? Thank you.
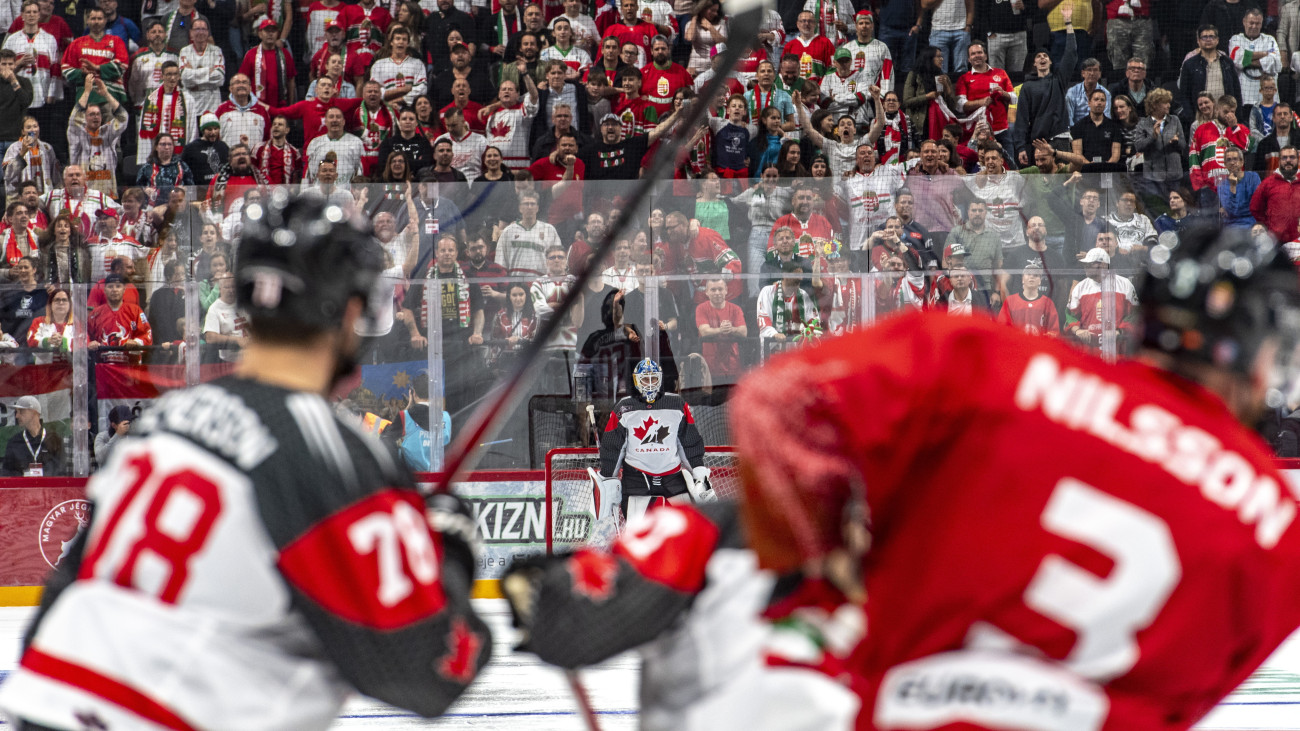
(744, 19)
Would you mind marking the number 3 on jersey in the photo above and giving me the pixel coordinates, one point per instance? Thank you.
(172, 516)
(1105, 613)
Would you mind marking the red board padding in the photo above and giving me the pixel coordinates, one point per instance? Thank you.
(37, 516)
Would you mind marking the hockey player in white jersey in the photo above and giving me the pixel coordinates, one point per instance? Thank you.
(251, 560)
(651, 437)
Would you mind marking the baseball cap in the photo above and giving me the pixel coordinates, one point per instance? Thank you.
(267, 23)
(106, 212)
(28, 402)
(842, 52)
(459, 47)
(333, 24)
(208, 119)
(119, 414)
(717, 49)
(611, 117)
(1033, 267)
(1096, 255)
(114, 278)
(954, 249)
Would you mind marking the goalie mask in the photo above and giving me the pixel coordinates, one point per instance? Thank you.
(648, 377)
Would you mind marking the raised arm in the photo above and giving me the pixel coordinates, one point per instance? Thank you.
(805, 124)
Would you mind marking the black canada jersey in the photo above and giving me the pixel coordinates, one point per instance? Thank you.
(652, 438)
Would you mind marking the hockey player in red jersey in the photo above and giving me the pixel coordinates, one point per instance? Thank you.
(1064, 543)
(251, 560)
(648, 446)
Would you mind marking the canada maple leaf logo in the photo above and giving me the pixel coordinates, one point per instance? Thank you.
(499, 129)
(593, 574)
(644, 434)
(462, 649)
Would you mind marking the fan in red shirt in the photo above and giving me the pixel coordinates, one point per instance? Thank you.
(565, 170)
(355, 62)
(661, 78)
(279, 161)
(312, 111)
(632, 29)
(811, 230)
(987, 87)
(118, 323)
(1029, 310)
(1048, 540)
(813, 51)
(366, 23)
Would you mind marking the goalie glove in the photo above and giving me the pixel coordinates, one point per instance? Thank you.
(703, 492)
(451, 518)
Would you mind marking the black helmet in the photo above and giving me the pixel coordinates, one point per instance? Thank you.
(300, 260)
(1213, 296)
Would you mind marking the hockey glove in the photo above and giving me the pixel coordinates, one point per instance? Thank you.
(451, 518)
(703, 492)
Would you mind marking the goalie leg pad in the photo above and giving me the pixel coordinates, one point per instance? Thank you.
(637, 505)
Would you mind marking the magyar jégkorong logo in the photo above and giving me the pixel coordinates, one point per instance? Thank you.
(58, 528)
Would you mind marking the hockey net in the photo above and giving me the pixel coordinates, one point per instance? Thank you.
(571, 499)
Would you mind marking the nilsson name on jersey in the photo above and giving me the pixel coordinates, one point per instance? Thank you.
(1083, 401)
(216, 419)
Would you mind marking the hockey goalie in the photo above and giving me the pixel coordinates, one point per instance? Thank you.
(650, 451)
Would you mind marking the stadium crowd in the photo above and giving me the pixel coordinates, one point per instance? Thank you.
(995, 156)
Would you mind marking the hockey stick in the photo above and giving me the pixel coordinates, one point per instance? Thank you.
(744, 19)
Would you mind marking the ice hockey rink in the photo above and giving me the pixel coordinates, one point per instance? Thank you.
(517, 692)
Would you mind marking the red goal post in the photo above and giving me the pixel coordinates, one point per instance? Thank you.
(571, 501)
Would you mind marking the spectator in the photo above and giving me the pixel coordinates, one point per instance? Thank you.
(1160, 140)
(340, 60)
(811, 230)
(585, 35)
(1209, 143)
(1288, 31)
(441, 20)
(1084, 318)
(1097, 138)
(951, 24)
(94, 144)
(988, 88)
(782, 251)
(203, 67)
(925, 88)
(699, 251)
(1028, 309)
(146, 68)
(521, 245)
(345, 147)
(125, 267)
(899, 290)
(119, 426)
(1236, 190)
(1079, 96)
(964, 300)
(1276, 202)
(766, 94)
(621, 272)
(49, 22)
(162, 171)
(785, 309)
(205, 155)
(983, 249)
(479, 85)
(844, 90)
(661, 78)
(52, 330)
(223, 326)
(560, 174)
(1266, 153)
(510, 119)
(934, 185)
(1261, 114)
(1004, 23)
(15, 97)
(462, 321)
(1061, 18)
(1135, 83)
(547, 292)
(18, 237)
(64, 257)
(30, 158)
(533, 32)
(467, 146)
(1227, 15)
(891, 241)
(1004, 192)
(721, 325)
(232, 180)
(117, 324)
(401, 76)
(169, 110)
(279, 162)
(631, 29)
(178, 23)
(1179, 215)
(706, 28)
(33, 451)
(1129, 37)
(271, 67)
(812, 49)
(617, 156)
(1253, 53)
(243, 119)
(1209, 70)
(312, 111)
(373, 123)
(110, 245)
(29, 193)
(96, 54)
(409, 141)
(36, 60)
(1049, 261)
(1042, 106)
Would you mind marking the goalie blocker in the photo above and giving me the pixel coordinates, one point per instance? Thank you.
(652, 437)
